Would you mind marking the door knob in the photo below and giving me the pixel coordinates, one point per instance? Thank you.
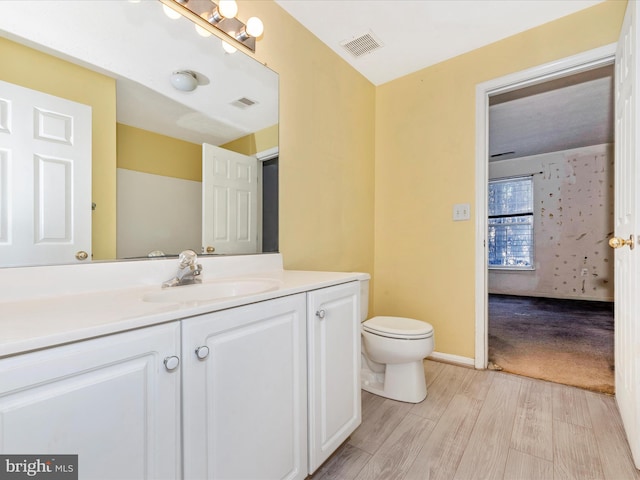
(210, 249)
(617, 242)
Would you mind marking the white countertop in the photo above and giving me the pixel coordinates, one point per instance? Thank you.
(54, 316)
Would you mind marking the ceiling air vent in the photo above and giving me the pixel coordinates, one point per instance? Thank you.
(243, 102)
(362, 44)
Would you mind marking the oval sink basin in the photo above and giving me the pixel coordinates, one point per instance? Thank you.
(216, 290)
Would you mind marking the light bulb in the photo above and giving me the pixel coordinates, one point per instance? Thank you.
(227, 47)
(228, 8)
(170, 12)
(254, 27)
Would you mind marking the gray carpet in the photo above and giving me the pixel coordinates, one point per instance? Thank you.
(562, 341)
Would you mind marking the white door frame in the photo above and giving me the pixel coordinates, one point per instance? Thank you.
(567, 66)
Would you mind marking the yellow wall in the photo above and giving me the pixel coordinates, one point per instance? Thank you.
(149, 152)
(326, 159)
(255, 142)
(38, 71)
(425, 163)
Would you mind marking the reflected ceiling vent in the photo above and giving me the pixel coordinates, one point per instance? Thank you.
(362, 44)
(243, 103)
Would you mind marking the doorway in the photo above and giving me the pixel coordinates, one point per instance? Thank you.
(270, 208)
(511, 83)
(550, 214)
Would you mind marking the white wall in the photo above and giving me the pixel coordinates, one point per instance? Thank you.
(573, 219)
(155, 212)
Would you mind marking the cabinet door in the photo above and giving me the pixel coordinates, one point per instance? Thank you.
(245, 401)
(334, 368)
(109, 400)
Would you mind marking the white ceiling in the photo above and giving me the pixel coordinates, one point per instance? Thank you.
(418, 33)
(559, 115)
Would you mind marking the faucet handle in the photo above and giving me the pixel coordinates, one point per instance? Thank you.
(187, 258)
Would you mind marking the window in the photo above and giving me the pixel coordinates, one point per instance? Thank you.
(510, 232)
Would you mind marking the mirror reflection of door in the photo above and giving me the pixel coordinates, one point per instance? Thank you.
(45, 178)
(229, 201)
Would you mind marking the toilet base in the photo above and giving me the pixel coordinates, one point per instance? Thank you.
(404, 382)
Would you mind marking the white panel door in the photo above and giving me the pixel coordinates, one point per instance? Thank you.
(45, 178)
(245, 402)
(627, 220)
(229, 201)
(109, 400)
(333, 315)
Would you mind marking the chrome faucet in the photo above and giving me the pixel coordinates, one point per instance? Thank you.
(188, 271)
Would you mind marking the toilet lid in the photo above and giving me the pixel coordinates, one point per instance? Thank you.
(398, 327)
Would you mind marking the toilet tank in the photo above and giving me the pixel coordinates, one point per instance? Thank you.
(364, 299)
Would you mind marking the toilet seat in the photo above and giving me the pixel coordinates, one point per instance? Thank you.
(398, 327)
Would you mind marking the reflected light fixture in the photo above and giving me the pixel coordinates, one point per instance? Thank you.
(221, 16)
(227, 47)
(170, 12)
(203, 32)
(184, 80)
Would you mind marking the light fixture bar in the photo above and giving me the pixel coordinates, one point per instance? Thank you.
(206, 14)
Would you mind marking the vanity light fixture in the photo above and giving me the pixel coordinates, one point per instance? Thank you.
(253, 28)
(225, 9)
(222, 17)
(184, 80)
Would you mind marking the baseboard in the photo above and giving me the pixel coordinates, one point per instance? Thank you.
(449, 358)
(555, 297)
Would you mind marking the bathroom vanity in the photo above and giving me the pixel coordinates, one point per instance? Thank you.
(262, 382)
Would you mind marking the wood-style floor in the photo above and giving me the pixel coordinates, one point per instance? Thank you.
(481, 424)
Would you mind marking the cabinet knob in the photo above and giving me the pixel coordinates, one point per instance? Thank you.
(171, 363)
(82, 255)
(202, 352)
(321, 314)
(210, 249)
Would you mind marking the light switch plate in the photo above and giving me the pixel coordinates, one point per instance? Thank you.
(461, 211)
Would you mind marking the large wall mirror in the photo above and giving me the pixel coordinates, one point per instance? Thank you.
(147, 137)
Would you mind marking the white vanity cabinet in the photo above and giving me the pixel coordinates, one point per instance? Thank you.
(333, 315)
(196, 390)
(111, 400)
(245, 392)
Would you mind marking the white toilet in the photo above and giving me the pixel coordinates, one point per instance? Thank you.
(392, 352)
